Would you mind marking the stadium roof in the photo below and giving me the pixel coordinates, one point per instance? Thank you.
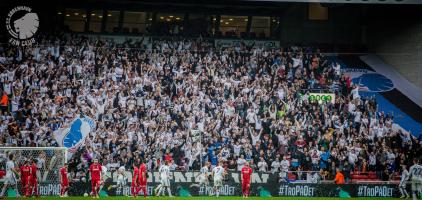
(349, 1)
(260, 2)
(290, 1)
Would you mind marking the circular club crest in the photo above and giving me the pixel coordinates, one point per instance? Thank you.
(22, 24)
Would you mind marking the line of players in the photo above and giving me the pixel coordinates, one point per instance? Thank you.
(219, 172)
(28, 177)
(97, 175)
(140, 175)
(27, 172)
(97, 179)
(415, 176)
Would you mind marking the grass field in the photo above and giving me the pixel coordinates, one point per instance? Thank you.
(221, 198)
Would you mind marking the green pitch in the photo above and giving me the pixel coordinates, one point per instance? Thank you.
(221, 198)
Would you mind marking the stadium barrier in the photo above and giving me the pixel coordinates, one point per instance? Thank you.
(263, 184)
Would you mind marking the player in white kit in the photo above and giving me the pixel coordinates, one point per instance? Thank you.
(416, 178)
(203, 176)
(165, 179)
(11, 176)
(103, 176)
(217, 174)
(285, 164)
(121, 178)
(160, 185)
(403, 182)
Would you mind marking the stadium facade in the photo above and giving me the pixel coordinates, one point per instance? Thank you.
(289, 22)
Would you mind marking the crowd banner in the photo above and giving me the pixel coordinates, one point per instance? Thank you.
(322, 97)
(268, 44)
(263, 185)
(146, 40)
(73, 135)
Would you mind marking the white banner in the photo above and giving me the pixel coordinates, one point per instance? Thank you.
(74, 134)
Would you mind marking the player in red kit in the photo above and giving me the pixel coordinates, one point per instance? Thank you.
(33, 179)
(25, 175)
(142, 178)
(134, 186)
(246, 180)
(64, 181)
(95, 170)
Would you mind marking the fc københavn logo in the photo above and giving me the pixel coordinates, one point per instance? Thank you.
(22, 24)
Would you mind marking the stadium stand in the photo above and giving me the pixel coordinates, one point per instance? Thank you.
(249, 104)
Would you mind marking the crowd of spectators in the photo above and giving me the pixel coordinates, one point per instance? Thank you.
(150, 101)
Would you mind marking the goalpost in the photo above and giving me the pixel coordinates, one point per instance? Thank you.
(48, 159)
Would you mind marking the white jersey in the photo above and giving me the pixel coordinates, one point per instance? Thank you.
(218, 172)
(416, 173)
(165, 175)
(121, 172)
(404, 176)
(285, 164)
(164, 171)
(121, 178)
(275, 165)
(9, 166)
(10, 176)
(204, 171)
(203, 177)
(103, 172)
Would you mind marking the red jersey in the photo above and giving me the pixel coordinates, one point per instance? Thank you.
(246, 173)
(33, 168)
(25, 172)
(95, 170)
(63, 174)
(135, 174)
(142, 169)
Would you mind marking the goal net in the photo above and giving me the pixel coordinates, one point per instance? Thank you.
(48, 160)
